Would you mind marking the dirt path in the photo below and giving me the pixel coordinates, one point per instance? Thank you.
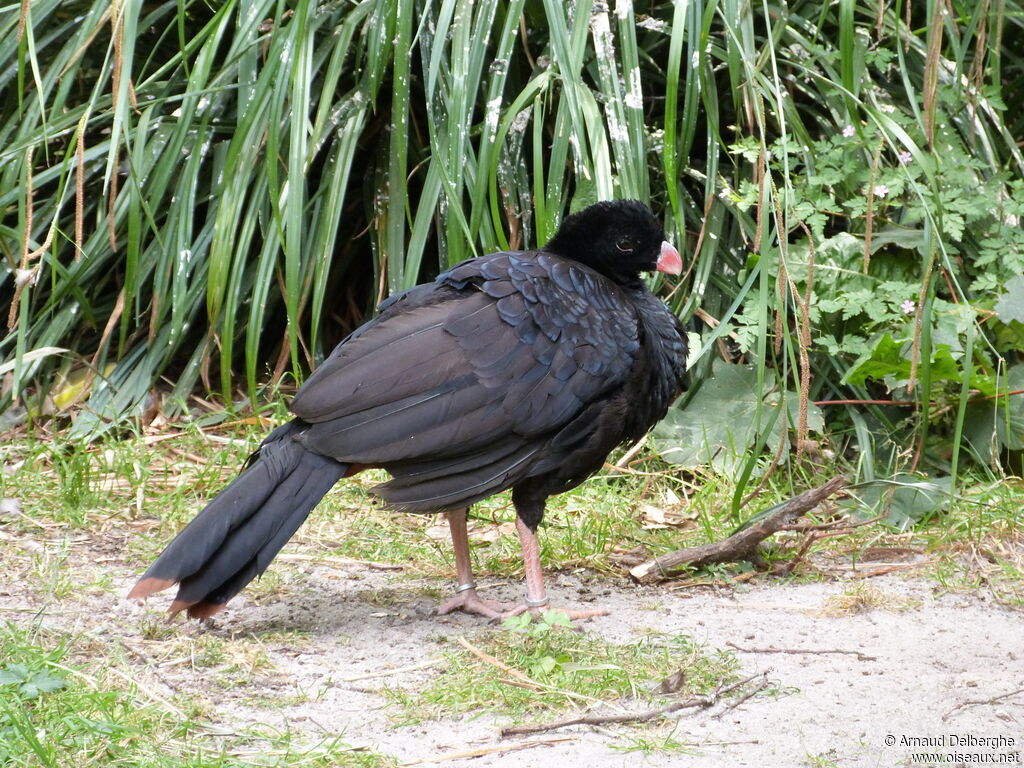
(919, 665)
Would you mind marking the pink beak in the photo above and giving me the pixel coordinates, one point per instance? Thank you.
(670, 261)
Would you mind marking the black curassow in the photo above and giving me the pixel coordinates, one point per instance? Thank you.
(518, 370)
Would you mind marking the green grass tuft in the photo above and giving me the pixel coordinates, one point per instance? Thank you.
(57, 711)
(544, 666)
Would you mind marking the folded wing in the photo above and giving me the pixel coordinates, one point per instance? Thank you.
(459, 388)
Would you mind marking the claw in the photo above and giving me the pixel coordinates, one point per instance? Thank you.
(469, 601)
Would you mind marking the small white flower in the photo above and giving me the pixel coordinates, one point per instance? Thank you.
(905, 157)
(848, 131)
(881, 190)
(908, 307)
(887, 108)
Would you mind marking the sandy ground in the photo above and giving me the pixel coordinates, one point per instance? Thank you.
(854, 689)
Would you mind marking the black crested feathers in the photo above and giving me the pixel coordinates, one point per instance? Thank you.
(618, 238)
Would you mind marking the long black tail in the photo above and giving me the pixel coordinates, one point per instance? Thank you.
(234, 538)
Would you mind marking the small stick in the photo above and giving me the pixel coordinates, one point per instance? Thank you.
(842, 525)
(884, 569)
(193, 457)
(159, 438)
(487, 751)
(854, 571)
(390, 672)
(979, 702)
(860, 656)
(631, 453)
(342, 561)
(631, 717)
(174, 662)
(784, 569)
(747, 696)
(524, 681)
(499, 664)
(225, 440)
(517, 684)
(149, 692)
(630, 471)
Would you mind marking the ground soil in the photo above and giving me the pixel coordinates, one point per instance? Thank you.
(859, 668)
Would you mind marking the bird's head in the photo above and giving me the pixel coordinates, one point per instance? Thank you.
(618, 238)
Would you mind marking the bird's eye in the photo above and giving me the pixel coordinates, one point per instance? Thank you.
(626, 246)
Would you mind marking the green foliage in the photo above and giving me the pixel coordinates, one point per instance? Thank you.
(1010, 306)
(57, 711)
(888, 224)
(890, 361)
(545, 660)
(904, 499)
(255, 176)
(29, 683)
(1009, 421)
(729, 416)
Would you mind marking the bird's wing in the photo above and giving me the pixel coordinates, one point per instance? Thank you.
(499, 353)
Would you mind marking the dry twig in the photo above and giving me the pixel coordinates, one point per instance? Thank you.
(703, 702)
(795, 651)
(981, 702)
(396, 671)
(331, 560)
(486, 657)
(746, 696)
(743, 544)
(487, 751)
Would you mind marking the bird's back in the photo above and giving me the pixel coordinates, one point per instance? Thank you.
(511, 367)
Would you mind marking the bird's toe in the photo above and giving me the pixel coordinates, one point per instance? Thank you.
(468, 601)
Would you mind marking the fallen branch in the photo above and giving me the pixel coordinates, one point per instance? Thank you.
(743, 544)
(860, 656)
(702, 702)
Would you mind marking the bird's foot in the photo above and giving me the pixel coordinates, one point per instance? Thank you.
(469, 601)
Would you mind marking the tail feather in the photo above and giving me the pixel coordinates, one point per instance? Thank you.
(233, 539)
(248, 550)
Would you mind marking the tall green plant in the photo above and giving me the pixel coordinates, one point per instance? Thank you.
(192, 192)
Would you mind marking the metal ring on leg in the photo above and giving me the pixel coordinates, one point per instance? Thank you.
(530, 602)
(464, 587)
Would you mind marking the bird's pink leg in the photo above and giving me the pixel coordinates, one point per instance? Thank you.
(536, 595)
(465, 597)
